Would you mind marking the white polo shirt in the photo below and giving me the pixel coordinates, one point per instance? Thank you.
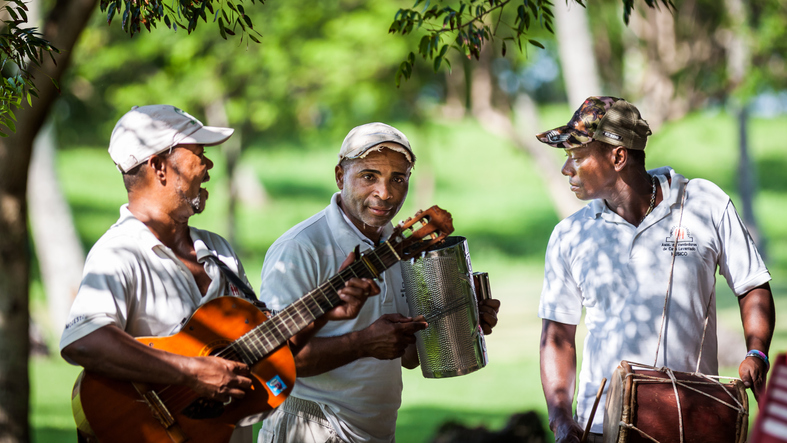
(360, 399)
(619, 273)
(131, 280)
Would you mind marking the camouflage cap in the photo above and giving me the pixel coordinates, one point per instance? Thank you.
(608, 119)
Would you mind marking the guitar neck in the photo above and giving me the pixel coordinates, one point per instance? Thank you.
(262, 340)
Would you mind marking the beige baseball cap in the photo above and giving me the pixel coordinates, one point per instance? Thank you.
(362, 139)
(148, 130)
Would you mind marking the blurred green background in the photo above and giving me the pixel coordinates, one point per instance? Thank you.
(326, 66)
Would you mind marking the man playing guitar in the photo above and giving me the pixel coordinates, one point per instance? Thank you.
(150, 271)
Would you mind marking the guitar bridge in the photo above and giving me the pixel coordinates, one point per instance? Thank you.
(161, 413)
(157, 407)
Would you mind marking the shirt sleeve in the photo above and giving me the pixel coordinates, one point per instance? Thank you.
(288, 273)
(103, 297)
(740, 262)
(561, 299)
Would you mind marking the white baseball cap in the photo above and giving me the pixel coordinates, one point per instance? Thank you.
(377, 135)
(149, 130)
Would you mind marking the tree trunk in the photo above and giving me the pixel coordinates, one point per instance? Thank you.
(577, 59)
(747, 186)
(244, 186)
(62, 27)
(522, 135)
(738, 63)
(59, 251)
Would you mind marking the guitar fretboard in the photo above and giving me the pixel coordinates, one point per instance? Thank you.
(263, 339)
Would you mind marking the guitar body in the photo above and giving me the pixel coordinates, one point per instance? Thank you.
(107, 410)
(118, 411)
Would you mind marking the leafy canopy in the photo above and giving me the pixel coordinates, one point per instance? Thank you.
(20, 48)
(467, 25)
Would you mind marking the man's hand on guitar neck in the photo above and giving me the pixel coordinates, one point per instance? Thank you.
(354, 294)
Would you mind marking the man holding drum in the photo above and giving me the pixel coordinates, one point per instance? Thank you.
(643, 235)
(353, 389)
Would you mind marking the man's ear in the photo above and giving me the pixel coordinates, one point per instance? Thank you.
(158, 166)
(620, 157)
(339, 172)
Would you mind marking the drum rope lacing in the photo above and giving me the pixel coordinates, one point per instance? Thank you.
(671, 273)
(675, 383)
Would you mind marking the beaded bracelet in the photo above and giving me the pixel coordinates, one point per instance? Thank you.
(761, 355)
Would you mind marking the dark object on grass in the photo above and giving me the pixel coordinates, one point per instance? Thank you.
(523, 427)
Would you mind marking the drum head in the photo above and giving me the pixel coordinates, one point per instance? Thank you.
(613, 409)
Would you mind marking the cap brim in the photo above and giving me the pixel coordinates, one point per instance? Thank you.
(208, 136)
(564, 137)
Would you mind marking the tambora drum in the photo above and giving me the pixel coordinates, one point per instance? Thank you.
(647, 404)
(441, 287)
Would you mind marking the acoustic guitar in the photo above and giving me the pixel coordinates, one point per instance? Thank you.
(108, 410)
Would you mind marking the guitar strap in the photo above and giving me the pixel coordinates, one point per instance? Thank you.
(238, 282)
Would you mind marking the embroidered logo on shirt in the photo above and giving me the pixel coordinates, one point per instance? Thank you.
(686, 243)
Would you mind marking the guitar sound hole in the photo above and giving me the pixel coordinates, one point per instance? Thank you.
(203, 408)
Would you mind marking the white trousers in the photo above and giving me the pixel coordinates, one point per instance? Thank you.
(297, 421)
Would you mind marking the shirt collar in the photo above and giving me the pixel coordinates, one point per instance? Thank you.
(345, 232)
(670, 194)
(146, 238)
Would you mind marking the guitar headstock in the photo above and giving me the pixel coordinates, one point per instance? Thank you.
(418, 233)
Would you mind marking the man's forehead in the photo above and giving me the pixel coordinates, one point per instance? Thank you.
(589, 146)
(382, 156)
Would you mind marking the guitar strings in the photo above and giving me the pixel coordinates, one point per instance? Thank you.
(180, 397)
(182, 393)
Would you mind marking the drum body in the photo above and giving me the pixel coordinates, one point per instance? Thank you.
(440, 287)
(641, 402)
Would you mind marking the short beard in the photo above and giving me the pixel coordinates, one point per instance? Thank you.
(194, 203)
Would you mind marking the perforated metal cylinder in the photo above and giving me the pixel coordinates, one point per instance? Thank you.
(440, 287)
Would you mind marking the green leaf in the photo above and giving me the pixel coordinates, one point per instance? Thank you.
(110, 13)
(21, 13)
(536, 43)
(423, 45)
(437, 61)
(222, 31)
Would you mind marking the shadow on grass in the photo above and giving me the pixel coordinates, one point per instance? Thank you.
(53, 435)
(770, 173)
(420, 424)
(528, 239)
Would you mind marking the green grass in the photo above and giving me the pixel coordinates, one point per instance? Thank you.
(497, 202)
